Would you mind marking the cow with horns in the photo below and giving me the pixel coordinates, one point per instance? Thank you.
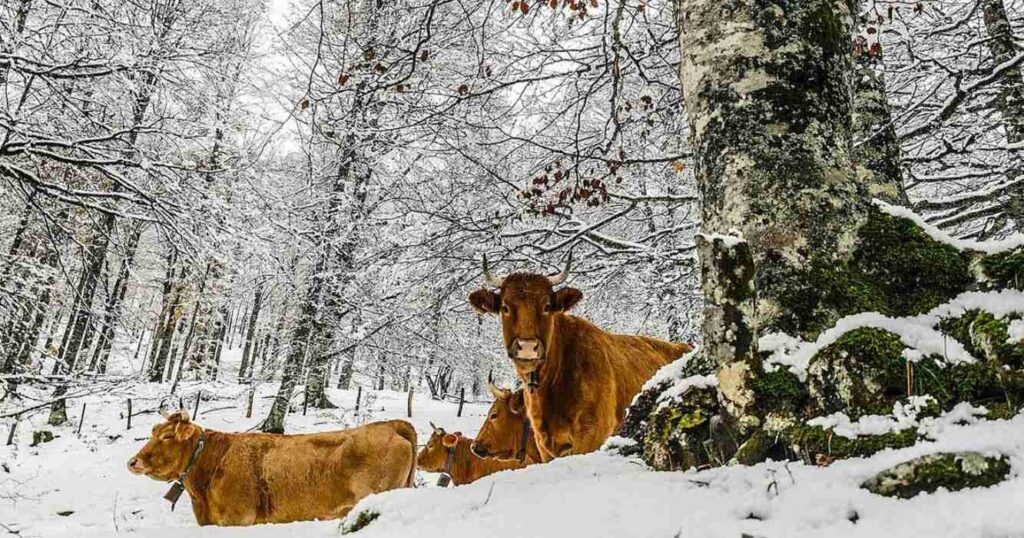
(250, 478)
(581, 379)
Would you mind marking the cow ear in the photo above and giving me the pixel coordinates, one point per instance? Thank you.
(450, 439)
(485, 301)
(179, 416)
(564, 299)
(516, 404)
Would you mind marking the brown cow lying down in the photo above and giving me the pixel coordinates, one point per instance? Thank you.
(248, 478)
(506, 434)
(581, 378)
(449, 453)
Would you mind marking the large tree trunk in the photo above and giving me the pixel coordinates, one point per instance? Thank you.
(768, 93)
(792, 243)
(1010, 103)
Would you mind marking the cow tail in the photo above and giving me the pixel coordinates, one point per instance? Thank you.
(406, 430)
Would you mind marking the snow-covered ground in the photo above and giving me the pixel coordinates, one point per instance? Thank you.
(78, 484)
(84, 477)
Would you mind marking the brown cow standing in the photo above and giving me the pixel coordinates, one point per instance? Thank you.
(464, 467)
(581, 378)
(249, 478)
(506, 433)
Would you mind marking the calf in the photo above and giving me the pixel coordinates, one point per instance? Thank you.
(506, 434)
(249, 478)
(450, 453)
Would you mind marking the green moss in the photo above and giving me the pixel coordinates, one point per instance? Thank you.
(895, 269)
(675, 433)
(363, 519)
(810, 442)
(780, 390)
(861, 373)
(952, 471)
(986, 336)
(1004, 270)
(755, 448)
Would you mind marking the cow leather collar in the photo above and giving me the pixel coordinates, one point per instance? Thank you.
(534, 380)
(446, 474)
(178, 487)
(521, 456)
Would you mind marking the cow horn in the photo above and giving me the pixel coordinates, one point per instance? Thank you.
(495, 391)
(560, 277)
(435, 428)
(492, 280)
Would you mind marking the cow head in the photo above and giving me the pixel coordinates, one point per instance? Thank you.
(167, 453)
(433, 455)
(501, 435)
(527, 304)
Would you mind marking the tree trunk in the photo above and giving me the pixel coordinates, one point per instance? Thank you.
(164, 333)
(877, 152)
(307, 326)
(115, 300)
(250, 334)
(768, 92)
(1010, 104)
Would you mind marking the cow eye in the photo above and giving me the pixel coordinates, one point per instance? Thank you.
(494, 416)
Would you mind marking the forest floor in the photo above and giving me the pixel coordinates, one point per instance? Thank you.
(78, 484)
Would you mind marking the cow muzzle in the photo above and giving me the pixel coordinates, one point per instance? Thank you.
(526, 349)
(136, 467)
(479, 449)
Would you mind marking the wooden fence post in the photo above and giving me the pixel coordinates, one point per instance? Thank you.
(252, 394)
(129, 414)
(409, 405)
(462, 400)
(81, 420)
(195, 412)
(359, 395)
(10, 434)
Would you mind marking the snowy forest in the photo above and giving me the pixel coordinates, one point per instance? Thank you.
(276, 215)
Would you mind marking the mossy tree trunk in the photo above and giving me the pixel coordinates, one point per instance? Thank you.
(787, 207)
(1010, 103)
(768, 96)
(876, 149)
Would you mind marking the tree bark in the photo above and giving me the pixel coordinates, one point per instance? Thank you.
(768, 93)
(250, 334)
(1010, 104)
(112, 318)
(877, 151)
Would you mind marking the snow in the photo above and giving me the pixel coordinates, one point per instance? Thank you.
(916, 332)
(988, 247)
(599, 495)
(1015, 331)
(904, 416)
(672, 371)
(681, 387)
(596, 495)
(730, 240)
(87, 473)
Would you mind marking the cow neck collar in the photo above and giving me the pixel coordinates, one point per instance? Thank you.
(525, 439)
(536, 378)
(178, 487)
(449, 459)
